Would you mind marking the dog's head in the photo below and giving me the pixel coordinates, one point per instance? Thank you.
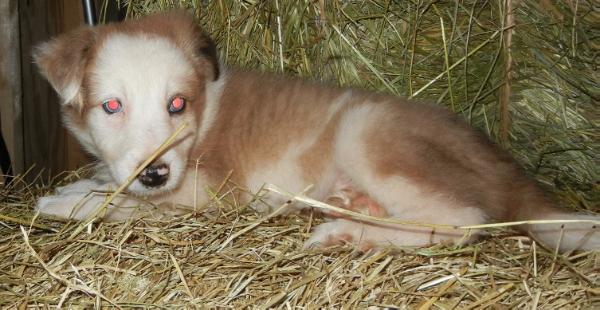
(126, 87)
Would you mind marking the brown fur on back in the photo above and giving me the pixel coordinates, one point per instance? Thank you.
(260, 116)
(437, 150)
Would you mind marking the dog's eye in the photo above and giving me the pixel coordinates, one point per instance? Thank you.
(176, 105)
(112, 106)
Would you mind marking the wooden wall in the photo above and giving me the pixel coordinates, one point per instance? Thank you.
(34, 133)
(10, 81)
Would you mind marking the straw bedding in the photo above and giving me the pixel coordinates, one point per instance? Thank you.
(532, 88)
(228, 256)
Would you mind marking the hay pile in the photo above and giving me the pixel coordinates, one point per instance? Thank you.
(220, 257)
(546, 112)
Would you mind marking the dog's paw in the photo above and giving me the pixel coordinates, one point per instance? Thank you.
(57, 205)
(79, 206)
(81, 186)
(340, 232)
(74, 201)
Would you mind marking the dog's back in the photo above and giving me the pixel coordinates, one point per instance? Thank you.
(420, 162)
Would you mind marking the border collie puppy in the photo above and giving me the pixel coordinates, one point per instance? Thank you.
(126, 87)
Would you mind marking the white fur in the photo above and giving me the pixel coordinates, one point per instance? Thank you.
(70, 92)
(143, 73)
(571, 235)
(214, 90)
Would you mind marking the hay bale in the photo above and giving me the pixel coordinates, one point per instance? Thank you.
(543, 106)
(228, 256)
(552, 118)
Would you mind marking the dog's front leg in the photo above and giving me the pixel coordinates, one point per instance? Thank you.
(81, 199)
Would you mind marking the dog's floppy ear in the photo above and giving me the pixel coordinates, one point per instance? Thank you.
(186, 30)
(62, 61)
(208, 50)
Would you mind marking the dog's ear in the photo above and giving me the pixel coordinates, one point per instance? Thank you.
(208, 51)
(62, 61)
(183, 29)
(186, 30)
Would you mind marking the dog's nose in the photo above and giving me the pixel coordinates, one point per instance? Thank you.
(154, 175)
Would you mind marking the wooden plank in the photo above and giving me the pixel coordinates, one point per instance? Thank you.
(10, 82)
(47, 144)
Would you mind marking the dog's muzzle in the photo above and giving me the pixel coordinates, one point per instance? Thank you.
(154, 175)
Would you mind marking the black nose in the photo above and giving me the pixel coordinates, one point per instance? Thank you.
(154, 175)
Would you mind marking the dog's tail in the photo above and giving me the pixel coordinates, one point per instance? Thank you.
(567, 236)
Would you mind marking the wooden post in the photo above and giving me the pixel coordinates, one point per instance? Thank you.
(10, 82)
(46, 145)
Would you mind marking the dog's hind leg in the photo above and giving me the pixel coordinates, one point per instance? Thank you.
(344, 195)
(373, 234)
(402, 191)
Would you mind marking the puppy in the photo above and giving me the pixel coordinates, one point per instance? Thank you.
(127, 87)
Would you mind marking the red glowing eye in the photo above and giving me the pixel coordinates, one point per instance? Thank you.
(111, 106)
(176, 105)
